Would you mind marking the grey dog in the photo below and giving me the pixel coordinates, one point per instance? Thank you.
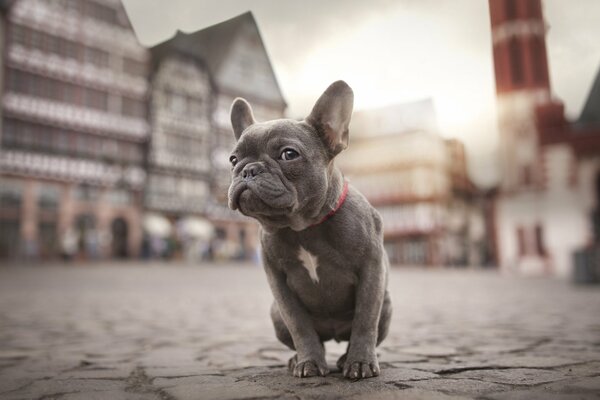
(322, 242)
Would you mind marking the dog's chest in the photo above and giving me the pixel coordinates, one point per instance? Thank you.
(322, 282)
(310, 262)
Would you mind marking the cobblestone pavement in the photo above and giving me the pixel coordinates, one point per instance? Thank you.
(155, 331)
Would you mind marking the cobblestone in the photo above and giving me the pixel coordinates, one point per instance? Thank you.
(132, 331)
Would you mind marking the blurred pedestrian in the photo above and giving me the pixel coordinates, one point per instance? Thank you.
(69, 244)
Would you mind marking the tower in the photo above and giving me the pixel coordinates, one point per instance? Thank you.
(522, 85)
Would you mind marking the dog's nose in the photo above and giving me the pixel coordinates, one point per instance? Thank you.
(251, 170)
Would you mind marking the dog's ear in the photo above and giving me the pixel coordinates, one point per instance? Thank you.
(331, 116)
(241, 116)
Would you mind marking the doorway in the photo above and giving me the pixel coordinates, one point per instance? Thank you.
(120, 233)
(87, 237)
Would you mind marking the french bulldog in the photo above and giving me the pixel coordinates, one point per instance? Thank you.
(322, 242)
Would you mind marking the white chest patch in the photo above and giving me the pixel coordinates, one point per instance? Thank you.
(309, 261)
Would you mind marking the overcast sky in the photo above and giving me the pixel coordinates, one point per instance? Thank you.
(393, 51)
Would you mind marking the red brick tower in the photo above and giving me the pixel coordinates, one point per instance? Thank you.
(522, 85)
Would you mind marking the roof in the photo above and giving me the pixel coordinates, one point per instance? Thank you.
(212, 45)
(590, 115)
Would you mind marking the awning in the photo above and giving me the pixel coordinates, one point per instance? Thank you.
(196, 227)
(158, 225)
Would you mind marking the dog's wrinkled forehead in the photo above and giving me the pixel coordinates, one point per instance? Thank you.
(273, 135)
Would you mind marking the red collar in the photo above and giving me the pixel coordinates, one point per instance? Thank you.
(338, 205)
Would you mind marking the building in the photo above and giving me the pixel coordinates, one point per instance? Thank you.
(102, 139)
(418, 182)
(74, 127)
(241, 67)
(178, 158)
(195, 80)
(549, 189)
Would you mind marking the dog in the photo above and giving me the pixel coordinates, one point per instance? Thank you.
(322, 242)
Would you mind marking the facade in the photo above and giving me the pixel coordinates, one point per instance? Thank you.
(103, 141)
(549, 187)
(228, 60)
(419, 184)
(74, 128)
(179, 151)
(178, 162)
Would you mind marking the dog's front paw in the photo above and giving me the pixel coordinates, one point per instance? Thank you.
(307, 367)
(361, 367)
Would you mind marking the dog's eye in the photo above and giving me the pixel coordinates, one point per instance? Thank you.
(289, 154)
(233, 160)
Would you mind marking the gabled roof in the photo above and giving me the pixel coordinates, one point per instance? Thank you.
(590, 115)
(212, 45)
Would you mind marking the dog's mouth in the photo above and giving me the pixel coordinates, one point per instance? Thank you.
(235, 194)
(261, 197)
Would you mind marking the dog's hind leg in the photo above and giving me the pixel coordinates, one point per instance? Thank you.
(384, 318)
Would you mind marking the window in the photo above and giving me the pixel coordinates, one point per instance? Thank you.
(82, 144)
(26, 138)
(62, 142)
(10, 134)
(511, 9)
(136, 154)
(130, 152)
(70, 93)
(35, 85)
(10, 237)
(48, 197)
(119, 197)
(220, 233)
(516, 62)
(177, 103)
(95, 99)
(48, 238)
(43, 42)
(19, 35)
(10, 194)
(124, 150)
(521, 241)
(539, 240)
(73, 5)
(10, 229)
(37, 137)
(133, 67)
(110, 148)
(538, 56)
(45, 139)
(133, 107)
(17, 81)
(51, 44)
(526, 175)
(101, 12)
(86, 193)
(94, 146)
(54, 90)
(533, 8)
(36, 40)
(96, 56)
(69, 49)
